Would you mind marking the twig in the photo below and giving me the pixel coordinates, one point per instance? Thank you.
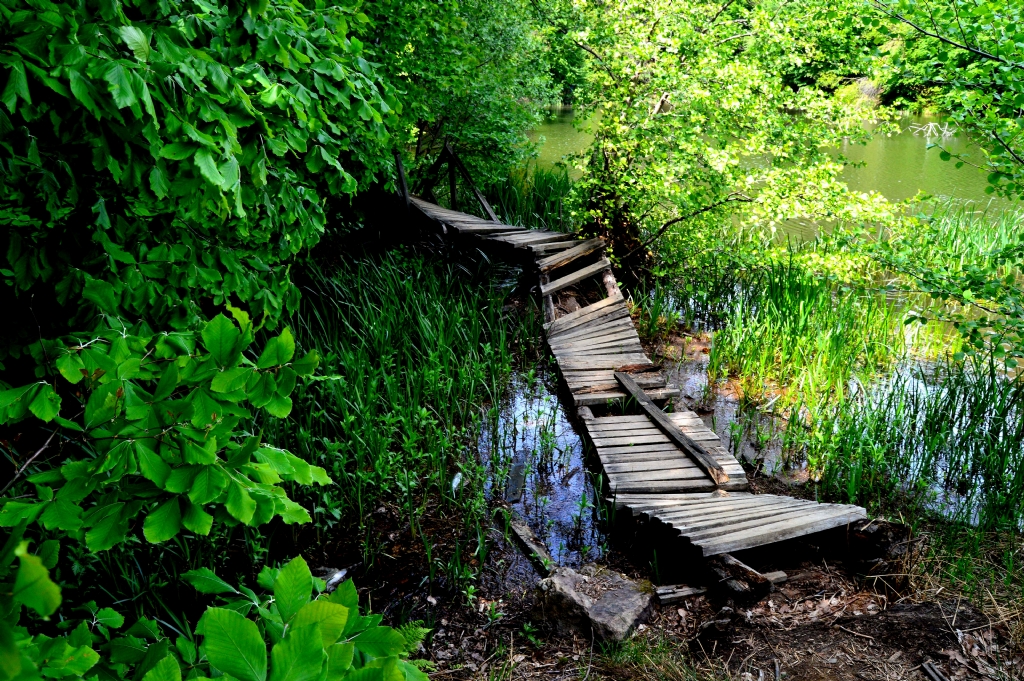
(855, 633)
(28, 463)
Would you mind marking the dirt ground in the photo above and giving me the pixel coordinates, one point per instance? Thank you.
(820, 624)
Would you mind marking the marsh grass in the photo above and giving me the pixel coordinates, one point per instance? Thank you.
(415, 356)
(803, 338)
(535, 197)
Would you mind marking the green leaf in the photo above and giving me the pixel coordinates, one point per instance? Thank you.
(231, 380)
(339, 660)
(109, 617)
(101, 293)
(279, 406)
(32, 585)
(120, 85)
(307, 365)
(46, 404)
(137, 42)
(293, 587)
(279, 350)
(300, 656)
(380, 642)
(197, 520)
(234, 645)
(17, 86)
(331, 618)
(240, 504)
(178, 151)
(220, 336)
(208, 167)
(163, 523)
(153, 468)
(206, 581)
(70, 366)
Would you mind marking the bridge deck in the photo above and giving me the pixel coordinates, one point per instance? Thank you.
(648, 472)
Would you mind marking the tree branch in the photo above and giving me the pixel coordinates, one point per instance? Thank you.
(28, 463)
(981, 53)
(657, 235)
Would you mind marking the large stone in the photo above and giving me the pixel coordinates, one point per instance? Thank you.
(594, 600)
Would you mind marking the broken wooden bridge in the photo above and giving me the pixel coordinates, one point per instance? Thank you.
(667, 467)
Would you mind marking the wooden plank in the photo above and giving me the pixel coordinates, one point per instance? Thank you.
(655, 504)
(687, 498)
(690, 522)
(614, 337)
(703, 458)
(779, 513)
(565, 257)
(668, 595)
(601, 420)
(777, 532)
(603, 398)
(554, 246)
(719, 505)
(524, 241)
(563, 322)
(576, 277)
(610, 360)
(580, 387)
(623, 328)
(633, 427)
(617, 318)
(619, 345)
(606, 313)
(674, 485)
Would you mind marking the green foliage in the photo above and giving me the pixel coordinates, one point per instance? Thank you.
(800, 340)
(475, 73)
(968, 263)
(325, 637)
(155, 426)
(410, 351)
(693, 119)
(974, 55)
(159, 167)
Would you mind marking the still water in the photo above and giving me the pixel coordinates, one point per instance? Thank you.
(898, 166)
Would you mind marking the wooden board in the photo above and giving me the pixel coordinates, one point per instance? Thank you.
(576, 277)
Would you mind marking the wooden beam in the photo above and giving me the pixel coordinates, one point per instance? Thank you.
(695, 451)
(566, 257)
(575, 277)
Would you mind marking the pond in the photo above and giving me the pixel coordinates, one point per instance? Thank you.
(897, 166)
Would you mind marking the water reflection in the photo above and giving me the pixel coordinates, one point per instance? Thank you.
(535, 461)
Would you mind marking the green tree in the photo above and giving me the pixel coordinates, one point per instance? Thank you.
(694, 117)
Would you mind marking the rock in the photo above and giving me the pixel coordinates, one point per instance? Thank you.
(593, 600)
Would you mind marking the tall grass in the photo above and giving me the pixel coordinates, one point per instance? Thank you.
(803, 339)
(535, 197)
(412, 354)
(944, 441)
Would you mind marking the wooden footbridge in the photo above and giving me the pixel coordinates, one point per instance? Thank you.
(669, 467)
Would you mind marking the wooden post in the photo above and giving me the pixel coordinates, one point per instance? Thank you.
(401, 178)
(694, 450)
(451, 184)
(611, 286)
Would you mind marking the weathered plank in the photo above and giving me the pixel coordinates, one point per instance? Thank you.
(583, 312)
(553, 246)
(774, 532)
(603, 398)
(703, 458)
(565, 257)
(576, 277)
(611, 360)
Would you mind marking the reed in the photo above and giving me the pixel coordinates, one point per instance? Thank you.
(796, 338)
(412, 354)
(535, 197)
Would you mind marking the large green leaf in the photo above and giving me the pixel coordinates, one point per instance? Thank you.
(220, 337)
(380, 642)
(330, 616)
(300, 656)
(32, 585)
(166, 669)
(206, 581)
(293, 587)
(279, 350)
(163, 523)
(234, 646)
